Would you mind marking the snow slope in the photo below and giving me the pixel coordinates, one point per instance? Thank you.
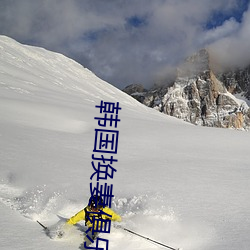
(182, 185)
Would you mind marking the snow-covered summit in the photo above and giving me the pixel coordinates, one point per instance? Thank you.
(27, 69)
(33, 74)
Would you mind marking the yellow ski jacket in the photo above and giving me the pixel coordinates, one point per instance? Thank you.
(105, 213)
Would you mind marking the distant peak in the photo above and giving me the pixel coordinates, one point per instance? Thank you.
(196, 64)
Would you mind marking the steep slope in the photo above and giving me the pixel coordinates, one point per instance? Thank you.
(183, 185)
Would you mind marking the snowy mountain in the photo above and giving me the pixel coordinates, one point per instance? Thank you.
(237, 81)
(182, 185)
(201, 96)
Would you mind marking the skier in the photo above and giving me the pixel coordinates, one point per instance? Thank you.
(94, 213)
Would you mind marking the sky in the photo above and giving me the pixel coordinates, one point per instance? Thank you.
(132, 41)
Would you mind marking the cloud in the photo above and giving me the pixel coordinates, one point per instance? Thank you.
(121, 41)
(228, 28)
(232, 50)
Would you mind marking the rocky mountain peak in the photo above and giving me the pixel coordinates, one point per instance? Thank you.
(197, 64)
(200, 96)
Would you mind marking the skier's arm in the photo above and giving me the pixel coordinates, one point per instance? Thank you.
(114, 216)
(77, 217)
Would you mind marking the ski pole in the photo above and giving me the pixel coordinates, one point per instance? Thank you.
(159, 243)
(45, 228)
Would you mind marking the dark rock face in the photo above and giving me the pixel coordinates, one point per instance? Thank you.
(201, 97)
(237, 81)
(137, 91)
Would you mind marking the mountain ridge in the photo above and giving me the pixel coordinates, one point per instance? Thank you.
(200, 95)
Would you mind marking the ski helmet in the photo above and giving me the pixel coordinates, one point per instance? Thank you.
(96, 202)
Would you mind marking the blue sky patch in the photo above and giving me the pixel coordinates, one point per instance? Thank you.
(219, 17)
(136, 21)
